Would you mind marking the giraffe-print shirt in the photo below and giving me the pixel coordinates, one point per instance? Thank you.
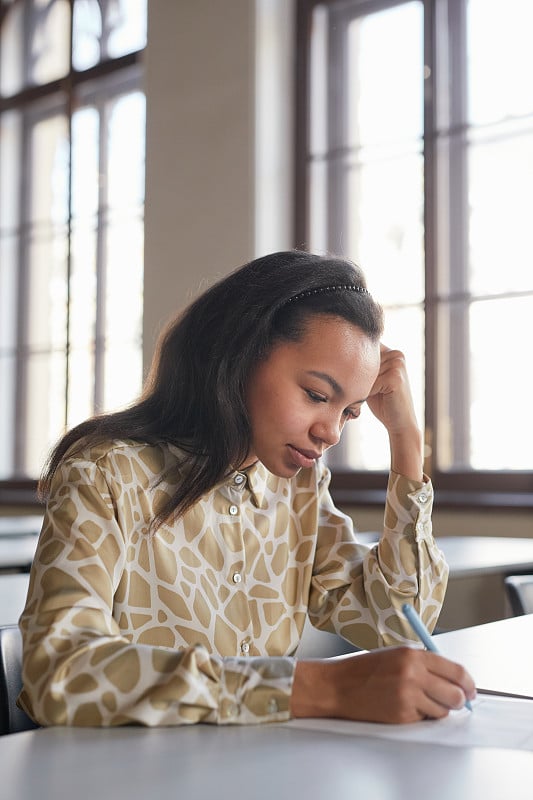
(199, 621)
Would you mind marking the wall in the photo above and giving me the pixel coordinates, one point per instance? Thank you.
(218, 173)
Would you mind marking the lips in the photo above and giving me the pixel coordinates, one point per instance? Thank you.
(303, 458)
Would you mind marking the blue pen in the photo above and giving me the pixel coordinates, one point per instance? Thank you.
(423, 634)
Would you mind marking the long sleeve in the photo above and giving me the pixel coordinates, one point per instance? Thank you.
(358, 592)
(79, 665)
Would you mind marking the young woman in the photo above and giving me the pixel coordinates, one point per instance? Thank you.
(187, 537)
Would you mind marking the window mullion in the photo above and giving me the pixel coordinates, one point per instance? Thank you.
(431, 218)
(336, 133)
(336, 154)
(21, 367)
(101, 228)
(459, 379)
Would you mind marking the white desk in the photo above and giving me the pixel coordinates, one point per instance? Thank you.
(499, 655)
(260, 762)
(263, 762)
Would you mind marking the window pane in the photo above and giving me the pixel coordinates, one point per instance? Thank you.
(84, 244)
(124, 251)
(45, 408)
(80, 399)
(47, 293)
(82, 286)
(8, 292)
(122, 31)
(12, 51)
(50, 41)
(126, 21)
(501, 210)
(385, 225)
(318, 208)
(385, 75)
(502, 384)
(10, 170)
(86, 34)
(500, 59)
(124, 282)
(7, 417)
(85, 168)
(123, 371)
(126, 144)
(47, 240)
(49, 171)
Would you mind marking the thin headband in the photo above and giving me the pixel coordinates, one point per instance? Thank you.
(349, 287)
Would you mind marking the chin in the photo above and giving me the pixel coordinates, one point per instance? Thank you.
(281, 470)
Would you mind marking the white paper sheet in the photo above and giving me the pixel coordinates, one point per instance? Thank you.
(494, 721)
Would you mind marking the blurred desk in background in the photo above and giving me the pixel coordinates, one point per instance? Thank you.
(478, 565)
(18, 540)
(13, 591)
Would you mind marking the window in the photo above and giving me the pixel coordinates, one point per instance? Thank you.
(415, 159)
(72, 121)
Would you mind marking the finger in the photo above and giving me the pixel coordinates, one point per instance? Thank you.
(388, 354)
(452, 672)
(449, 696)
(391, 376)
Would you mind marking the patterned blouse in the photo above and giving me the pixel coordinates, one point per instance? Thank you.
(199, 621)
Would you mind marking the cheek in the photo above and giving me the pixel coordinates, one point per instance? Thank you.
(279, 415)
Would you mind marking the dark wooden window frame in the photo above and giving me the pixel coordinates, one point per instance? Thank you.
(22, 492)
(467, 489)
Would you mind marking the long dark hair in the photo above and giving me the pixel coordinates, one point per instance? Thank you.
(194, 396)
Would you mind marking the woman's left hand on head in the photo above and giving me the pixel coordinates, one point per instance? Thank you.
(390, 398)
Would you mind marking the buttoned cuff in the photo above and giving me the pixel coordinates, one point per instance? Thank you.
(255, 690)
(409, 505)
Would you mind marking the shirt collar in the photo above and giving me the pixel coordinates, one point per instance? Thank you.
(257, 477)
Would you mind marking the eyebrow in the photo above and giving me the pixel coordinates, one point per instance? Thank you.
(337, 388)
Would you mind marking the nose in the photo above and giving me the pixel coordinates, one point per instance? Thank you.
(327, 430)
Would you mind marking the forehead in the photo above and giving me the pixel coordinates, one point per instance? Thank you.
(331, 345)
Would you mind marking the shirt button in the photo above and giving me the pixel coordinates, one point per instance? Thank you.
(245, 648)
(237, 578)
(230, 710)
(272, 706)
(233, 510)
(239, 479)
(422, 497)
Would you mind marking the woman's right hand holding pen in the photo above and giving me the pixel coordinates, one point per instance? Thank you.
(392, 685)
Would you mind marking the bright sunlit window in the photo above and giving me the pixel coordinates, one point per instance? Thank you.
(72, 122)
(418, 149)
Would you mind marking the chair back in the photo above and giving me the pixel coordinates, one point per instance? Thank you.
(520, 593)
(12, 718)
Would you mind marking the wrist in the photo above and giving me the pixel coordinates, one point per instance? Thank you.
(406, 450)
(312, 692)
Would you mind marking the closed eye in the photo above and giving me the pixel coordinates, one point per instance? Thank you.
(316, 398)
(351, 413)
